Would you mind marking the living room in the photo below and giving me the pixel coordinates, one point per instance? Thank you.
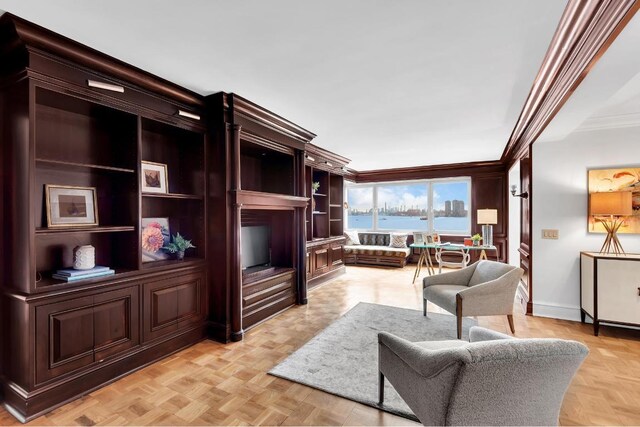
(220, 214)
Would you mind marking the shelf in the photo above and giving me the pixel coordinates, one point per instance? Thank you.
(319, 213)
(320, 194)
(84, 166)
(97, 229)
(173, 196)
(334, 205)
(187, 261)
(47, 280)
(335, 219)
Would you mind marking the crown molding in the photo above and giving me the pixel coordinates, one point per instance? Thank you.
(586, 30)
(610, 122)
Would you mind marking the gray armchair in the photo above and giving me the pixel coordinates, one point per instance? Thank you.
(493, 380)
(485, 288)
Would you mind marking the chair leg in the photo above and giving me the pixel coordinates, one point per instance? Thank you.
(380, 388)
(459, 315)
(510, 319)
(424, 306)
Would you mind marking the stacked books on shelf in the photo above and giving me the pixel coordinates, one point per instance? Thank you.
(72, 275)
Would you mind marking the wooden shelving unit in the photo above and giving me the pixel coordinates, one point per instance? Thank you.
(325, 215)
(69, 338)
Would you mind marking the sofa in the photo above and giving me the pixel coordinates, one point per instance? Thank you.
(374, 249)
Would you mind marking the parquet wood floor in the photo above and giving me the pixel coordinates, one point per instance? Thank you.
(218, 384)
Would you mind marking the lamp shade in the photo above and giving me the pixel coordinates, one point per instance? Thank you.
(487, 216)
(611, 203)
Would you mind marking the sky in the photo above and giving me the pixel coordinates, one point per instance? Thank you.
(411, 195)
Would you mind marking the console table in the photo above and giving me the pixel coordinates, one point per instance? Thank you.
(425, 256)
(610, 289)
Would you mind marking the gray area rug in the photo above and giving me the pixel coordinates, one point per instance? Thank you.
(343, 359)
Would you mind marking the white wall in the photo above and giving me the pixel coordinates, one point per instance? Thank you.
(560, 202)
(514, 216)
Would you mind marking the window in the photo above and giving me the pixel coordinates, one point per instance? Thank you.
(451, 207)
(441, 206)
(403, 207)
(360, 202)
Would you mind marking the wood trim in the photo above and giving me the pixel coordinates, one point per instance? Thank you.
(32, 36)
(320, 155)
(432, 171)
(265, 117)
(586, 30)
(247, 199)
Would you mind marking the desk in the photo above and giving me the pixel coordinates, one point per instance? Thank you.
(425, 256)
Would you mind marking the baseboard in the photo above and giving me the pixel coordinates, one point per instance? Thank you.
(556, 311)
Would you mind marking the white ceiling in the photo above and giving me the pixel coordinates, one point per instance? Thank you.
(609, 96)
(385, 83)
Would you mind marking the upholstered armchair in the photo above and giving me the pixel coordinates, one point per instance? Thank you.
(485, 288)
(493, 380)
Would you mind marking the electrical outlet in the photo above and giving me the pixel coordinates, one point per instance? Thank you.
(550, 234)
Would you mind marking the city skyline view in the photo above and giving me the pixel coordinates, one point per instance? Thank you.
(450, 199)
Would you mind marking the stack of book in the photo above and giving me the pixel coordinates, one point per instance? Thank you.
(71, 275)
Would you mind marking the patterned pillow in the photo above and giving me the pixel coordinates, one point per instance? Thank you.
(398, 241)
(352, 238)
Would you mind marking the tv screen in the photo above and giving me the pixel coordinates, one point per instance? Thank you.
(255, 246)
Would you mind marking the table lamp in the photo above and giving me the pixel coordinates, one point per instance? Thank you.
(611, 208)
(486, 218)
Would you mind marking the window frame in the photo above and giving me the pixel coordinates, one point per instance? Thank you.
(429, 185)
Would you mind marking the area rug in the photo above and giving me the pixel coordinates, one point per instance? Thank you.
(343, 359)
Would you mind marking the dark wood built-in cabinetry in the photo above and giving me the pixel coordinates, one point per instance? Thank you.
(60, 340)
(325, 214)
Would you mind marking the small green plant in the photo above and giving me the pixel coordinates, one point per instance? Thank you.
(178, 245)
(476, 237)
(315, 186)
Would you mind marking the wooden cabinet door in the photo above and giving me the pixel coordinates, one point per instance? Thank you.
(337, 255)
(309, 264)
(321, 260)
(171, 304)
(116, 322)
(64, 338)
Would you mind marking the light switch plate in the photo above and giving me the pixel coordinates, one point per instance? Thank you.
(550, 234)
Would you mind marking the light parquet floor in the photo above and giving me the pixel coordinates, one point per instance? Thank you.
(227, 384)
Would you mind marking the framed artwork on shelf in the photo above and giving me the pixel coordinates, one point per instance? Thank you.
(621, 179)
(154, 177)
(69, 206)
(418, 238)
(155, 235)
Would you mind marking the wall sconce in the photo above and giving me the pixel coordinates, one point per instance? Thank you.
(524, 195)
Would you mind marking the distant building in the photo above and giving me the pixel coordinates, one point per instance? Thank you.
(458, 208)
(447, 208)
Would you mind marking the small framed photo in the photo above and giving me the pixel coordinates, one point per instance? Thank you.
(69, 206)
(418, 238)
(154, 236)
(428, 238)
(435, 237)
(154, 177)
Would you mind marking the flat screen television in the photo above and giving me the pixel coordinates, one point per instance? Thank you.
(255, 246)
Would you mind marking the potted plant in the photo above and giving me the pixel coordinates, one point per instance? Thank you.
(315, 186)
(178, 245)
(476, 239)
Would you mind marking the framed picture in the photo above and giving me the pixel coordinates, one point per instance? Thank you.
(418, 238)
(69, 206)
(154, 235)
(621, 179)
(428, 238)
(154, 177)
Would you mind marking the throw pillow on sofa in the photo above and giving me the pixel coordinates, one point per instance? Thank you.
(398, 241)
(352, 238)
